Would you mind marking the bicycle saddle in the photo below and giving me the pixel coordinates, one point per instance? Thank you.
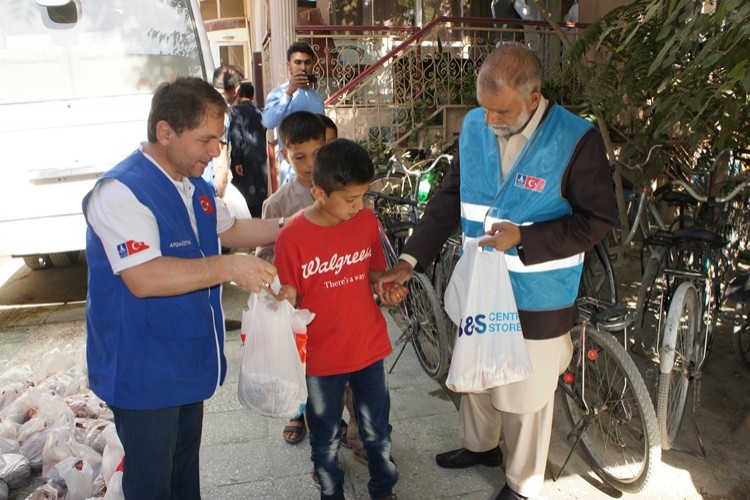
(678, 198)
(699, 234)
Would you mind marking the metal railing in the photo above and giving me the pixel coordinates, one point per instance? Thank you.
(397, 86)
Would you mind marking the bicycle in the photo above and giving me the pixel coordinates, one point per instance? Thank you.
(598, 275)
(424, 322)
(694, 298)
(415, 181)
(656, 234)
(607, 402)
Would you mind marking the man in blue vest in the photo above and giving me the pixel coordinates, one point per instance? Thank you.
(535, 184)
(155, 326)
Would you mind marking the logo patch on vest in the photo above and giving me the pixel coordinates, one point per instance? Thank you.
(130, 247)
(524, 181)
(208, 209)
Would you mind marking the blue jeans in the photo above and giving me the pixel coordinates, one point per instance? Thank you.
(373, 405)
(161, 452)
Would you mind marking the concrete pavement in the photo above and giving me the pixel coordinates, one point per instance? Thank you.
(244, 457)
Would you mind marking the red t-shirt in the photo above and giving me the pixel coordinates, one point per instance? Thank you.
(330, 269)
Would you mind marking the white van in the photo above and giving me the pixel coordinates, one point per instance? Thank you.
(76, 79)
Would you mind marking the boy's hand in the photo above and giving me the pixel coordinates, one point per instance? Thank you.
(392, 293)
(287, 292)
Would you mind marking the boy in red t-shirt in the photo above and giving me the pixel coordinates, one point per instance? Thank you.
(328, 260)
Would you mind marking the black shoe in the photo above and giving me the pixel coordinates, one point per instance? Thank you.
(462, 458)
(508, 494)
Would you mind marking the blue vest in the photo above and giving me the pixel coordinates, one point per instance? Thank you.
(529, 194)
(161, 351)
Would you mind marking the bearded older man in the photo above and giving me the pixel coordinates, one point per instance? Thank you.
(535, 184)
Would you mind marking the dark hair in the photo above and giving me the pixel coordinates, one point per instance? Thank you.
(329, 123)
(301, 126)
(227, 77)
(342, 163)
(184, 103)
(299, 47)
(247, 91)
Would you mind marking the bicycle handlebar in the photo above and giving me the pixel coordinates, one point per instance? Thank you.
(639, 166)
(416, 169)
(714, 199)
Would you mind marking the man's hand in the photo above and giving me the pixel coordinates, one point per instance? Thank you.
(298, 81)
(389, 286)
(250, 272)
(502, 236)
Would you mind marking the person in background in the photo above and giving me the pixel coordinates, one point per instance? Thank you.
(248, 153)
(348, 339)
(226, 81)
(303, 134)
(532, 180)
(298, 94)
(154, 321)
(332, 131)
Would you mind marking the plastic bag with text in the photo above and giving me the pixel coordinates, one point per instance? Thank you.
(272, 375)
(490, 350)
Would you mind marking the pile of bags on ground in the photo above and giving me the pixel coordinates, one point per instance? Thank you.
(51, 422)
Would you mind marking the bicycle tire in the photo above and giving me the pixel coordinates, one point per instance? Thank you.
(647, 307)
(428, 333)
(598, 277)
(675, 359)
(621, 442)
(741, 335)
(445, 262)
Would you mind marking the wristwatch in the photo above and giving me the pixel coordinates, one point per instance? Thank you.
(281, 222)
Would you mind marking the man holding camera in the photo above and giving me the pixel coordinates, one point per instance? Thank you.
(297, 94)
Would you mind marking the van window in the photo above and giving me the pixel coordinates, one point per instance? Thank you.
(93, 48)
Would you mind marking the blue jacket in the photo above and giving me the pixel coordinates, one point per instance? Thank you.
(155, 352)
(529, 194)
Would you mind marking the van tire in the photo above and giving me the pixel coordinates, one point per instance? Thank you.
(37, 262)
(65, 259)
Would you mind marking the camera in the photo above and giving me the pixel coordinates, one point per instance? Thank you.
(311, 77)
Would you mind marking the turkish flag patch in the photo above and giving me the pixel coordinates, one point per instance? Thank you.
(531, 183)
(131, 247)
(206, 205)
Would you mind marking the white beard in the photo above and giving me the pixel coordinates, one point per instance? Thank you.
(505, 131)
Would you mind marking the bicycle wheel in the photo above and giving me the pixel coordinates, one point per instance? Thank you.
(445, 262)
(648, 305)
(428, 332)
(606, 400)
(741, 335)
(598, 277)
(675, 361)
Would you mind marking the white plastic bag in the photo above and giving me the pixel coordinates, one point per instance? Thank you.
(272, 375)
(490, 350)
